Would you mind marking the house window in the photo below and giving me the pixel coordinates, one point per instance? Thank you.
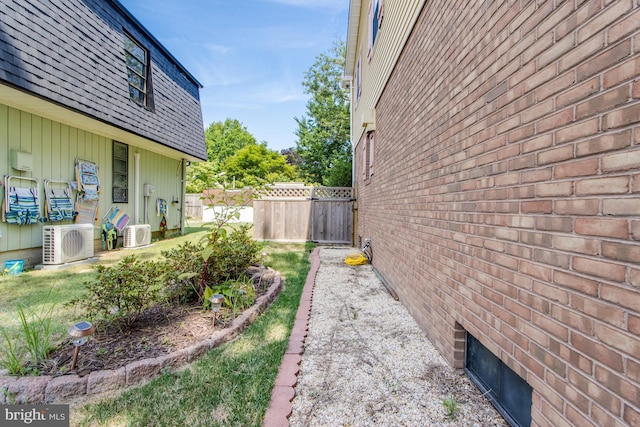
(358, 77)
(509, 393)
(376, 12)
(137, 60)
(120, 172)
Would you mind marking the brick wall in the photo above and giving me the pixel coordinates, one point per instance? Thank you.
(506, 194)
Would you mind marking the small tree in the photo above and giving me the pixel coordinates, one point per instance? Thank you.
(323, 134)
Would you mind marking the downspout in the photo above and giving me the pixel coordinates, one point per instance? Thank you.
(136, 191)
(183, 191)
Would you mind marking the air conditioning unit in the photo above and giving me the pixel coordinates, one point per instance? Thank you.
(137, 235)
(66, 243)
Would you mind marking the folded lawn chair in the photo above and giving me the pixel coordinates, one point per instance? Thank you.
(87, 200)
(117, 218)
(58, 206)
(21, 204)
(115, 221)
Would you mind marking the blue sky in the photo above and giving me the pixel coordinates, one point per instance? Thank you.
(250, 55)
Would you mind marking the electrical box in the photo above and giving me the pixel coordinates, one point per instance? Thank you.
(21, 161)
(148, 190)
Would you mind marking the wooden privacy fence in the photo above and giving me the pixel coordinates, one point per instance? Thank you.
(296, 213)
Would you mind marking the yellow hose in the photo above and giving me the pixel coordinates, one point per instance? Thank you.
(356, 259)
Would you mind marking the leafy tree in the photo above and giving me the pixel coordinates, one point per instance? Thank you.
(225, 138)
(323, 134)
(255, 165)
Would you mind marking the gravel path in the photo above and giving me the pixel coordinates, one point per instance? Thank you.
(367, 363)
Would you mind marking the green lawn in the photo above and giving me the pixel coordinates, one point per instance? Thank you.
(229, 386)
(38, 290)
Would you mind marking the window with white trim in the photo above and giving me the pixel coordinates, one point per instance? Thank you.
(376, 12)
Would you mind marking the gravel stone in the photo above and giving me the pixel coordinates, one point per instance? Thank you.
(367, 363)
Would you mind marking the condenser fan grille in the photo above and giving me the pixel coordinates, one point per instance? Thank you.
(72, 243)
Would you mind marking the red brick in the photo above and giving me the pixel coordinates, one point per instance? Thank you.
(614, 185)
(556, 120)
(576, 168)
(607, 270)
(622, 296)
(534, 302)
(603, 227)
(551, 258)
(625, 252)
(551, 326)
(621, 117)
(537, 143)
(587, 385)
(618, 385)
(604, 143)
(624, 27)
(536, 206)
(573, 319)
(576, 207)
(597, 351)
(635, 230)
(585, 11)
(536, 175)
(556, 155)
(603, 102)
(549, 360)
(602, 311)
(580, 53)
(554, 223)
(604, 60)
(631, 416)
(577, 245)
(621, 162)
(604, 19)
(556, 85)
(538, 110)
(627, 70)
(575, 282)
(552, 292)
(620, 206)
(579, 92)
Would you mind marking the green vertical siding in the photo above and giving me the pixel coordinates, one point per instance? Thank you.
(55, 147)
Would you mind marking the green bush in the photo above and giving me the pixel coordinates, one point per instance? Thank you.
(230, 254)
(183, 270)
(120, 293)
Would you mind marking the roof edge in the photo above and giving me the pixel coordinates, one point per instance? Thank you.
(352, 36)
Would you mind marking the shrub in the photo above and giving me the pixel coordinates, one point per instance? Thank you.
(183, 269)
(122, 292)
(230, 254)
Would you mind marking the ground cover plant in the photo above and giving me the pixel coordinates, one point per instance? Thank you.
(231, 384)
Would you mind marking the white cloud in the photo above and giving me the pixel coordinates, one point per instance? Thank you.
(217, 48)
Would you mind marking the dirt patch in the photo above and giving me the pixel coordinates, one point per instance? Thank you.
(157, 332)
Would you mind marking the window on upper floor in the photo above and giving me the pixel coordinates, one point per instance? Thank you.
(137, 60)
(376, 12)
(120, 172)
(358, 87)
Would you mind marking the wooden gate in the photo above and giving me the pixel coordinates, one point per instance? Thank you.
(296, 213)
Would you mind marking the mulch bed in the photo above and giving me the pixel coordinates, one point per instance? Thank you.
(157, 332)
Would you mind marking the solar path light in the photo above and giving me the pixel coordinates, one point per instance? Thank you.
(216, 301)
(80, 332)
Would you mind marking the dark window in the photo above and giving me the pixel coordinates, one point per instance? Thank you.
(137, 60)
(509, 393)
(120, 172)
